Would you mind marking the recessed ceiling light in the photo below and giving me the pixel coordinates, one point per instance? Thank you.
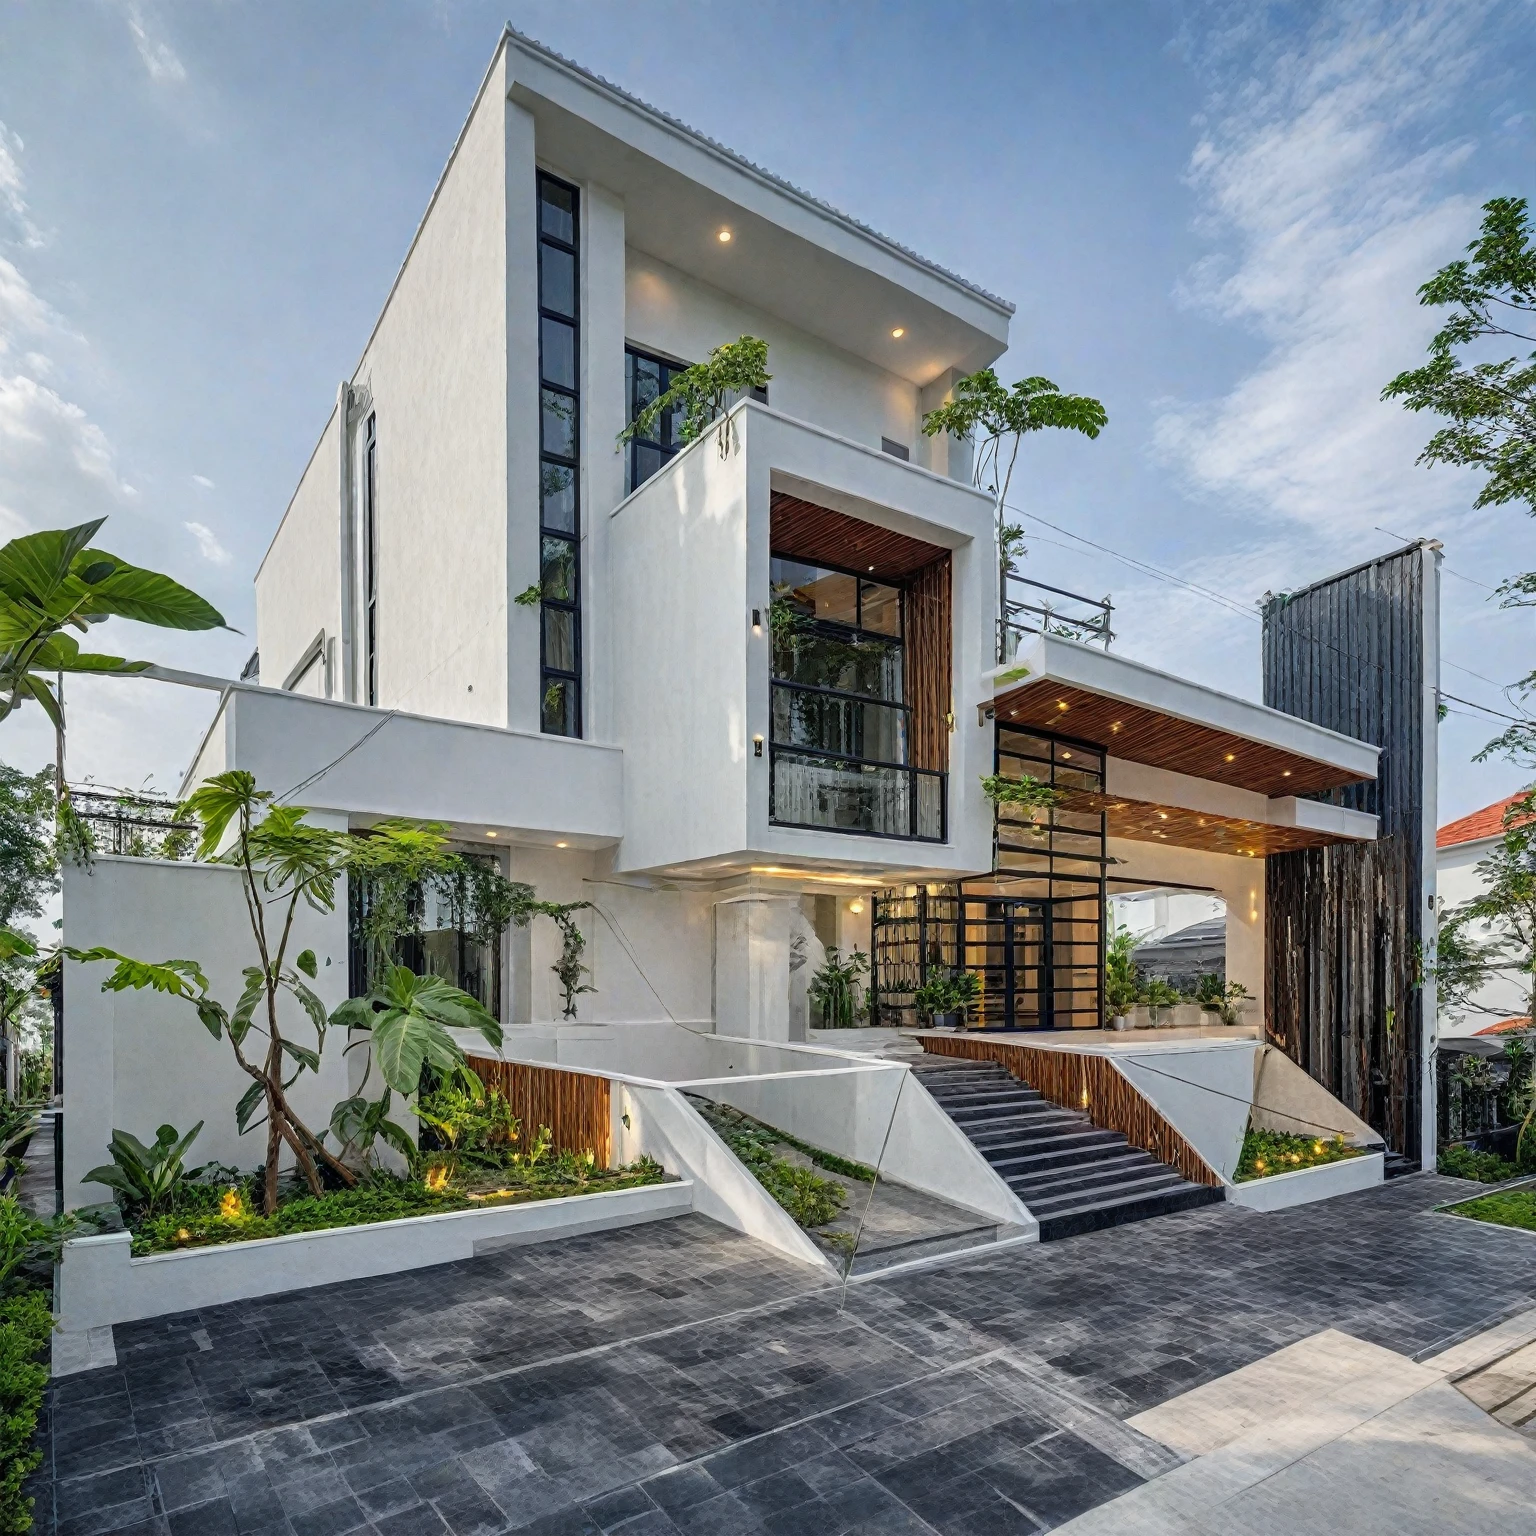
(562, 845)
(724, 237)
(899, 332)
(1067, 755)
(1286, 774)
(490, 834)
(1061, 703)
(1229, 757)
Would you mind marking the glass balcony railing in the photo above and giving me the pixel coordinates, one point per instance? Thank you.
(833, 793)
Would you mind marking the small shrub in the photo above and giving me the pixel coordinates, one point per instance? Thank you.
(1511, 1208)
(810, 1199)
(1266, 1153)
(25, 1327)
(1466, 1163)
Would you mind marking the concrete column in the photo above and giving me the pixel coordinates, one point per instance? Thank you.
(752, 939)
(945, 455)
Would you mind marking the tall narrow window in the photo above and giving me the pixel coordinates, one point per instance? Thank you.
(370, 567)
(646, 377)
(559, 458)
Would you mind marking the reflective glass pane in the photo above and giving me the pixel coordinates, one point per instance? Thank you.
(557, 573)
(644, 462)
(877, 732)
(560, 706)
(880, 608)
(847, 797)
(558, 424)
(560, 639)
(557, 279)
(645, 384)
(557, 352)
(818, 593)
(804, 654)
(557, 211)
(557, 484)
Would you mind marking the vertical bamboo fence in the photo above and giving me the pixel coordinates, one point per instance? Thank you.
(574, 1105)
(1091, 1084)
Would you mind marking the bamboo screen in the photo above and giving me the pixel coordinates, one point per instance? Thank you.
(574, 1105)
(930, 627)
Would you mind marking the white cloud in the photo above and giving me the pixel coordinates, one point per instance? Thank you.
(208, 545)
(11, 187)
(160, 59)
(203, 481)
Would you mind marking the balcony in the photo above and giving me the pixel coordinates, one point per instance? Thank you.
(805, 621)
(1033, 608)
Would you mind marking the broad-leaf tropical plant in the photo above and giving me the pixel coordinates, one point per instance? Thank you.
(996, 418)
(54, 582)
(146, 1176)
(703, 392)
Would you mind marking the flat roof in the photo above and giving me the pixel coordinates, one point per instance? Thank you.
(1138, 713)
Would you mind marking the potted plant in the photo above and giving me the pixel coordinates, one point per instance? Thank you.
(1122, 983)
(1225, 1000)
(1160, 998)
(833, 988)
(945, 1000)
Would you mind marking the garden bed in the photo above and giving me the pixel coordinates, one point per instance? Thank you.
(1505, 1208)
(216, 1211)
(1267, 1154)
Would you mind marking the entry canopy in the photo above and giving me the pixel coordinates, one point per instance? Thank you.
(1141, 715)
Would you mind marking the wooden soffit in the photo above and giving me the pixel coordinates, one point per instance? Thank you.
(801, 530)
(1141, 821)
(1142, 735)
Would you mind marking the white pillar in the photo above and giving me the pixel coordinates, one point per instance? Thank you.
(752, 935)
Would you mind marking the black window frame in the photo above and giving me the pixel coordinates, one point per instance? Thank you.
(663, 444)
(551, 677)
(371, 562)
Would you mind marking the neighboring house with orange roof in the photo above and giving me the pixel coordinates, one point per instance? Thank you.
(1460, 846)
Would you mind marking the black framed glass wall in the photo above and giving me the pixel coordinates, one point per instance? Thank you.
(645, 378)
(559, 457)
(370, 563)
(839, 731)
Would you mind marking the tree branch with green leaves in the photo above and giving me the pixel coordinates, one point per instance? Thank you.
(703, 392)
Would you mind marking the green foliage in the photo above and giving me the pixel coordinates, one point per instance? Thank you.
(811, 1201)
(1122, 981)
(1266, 1153)
(997, 419)
(947, 992)
(703, 391)
(379, 1197)
(144, 1178)
(834, 988)
(1464, 1163)
(51, 582)
(530, 596)
(1027, 792)
(26, 1326)
(1224, 1000)
(471, 1122)
(1156, 992)
(1489, 408)
(1507, 1208)
(29, 872)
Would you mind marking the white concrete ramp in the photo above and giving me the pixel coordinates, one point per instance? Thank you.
(1326, 1436)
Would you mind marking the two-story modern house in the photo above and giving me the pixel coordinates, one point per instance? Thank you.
(739, 694)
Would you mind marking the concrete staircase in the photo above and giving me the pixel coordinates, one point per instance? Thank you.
(1074, 1176)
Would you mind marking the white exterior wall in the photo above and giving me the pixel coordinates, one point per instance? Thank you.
(669, 312)
(137, 1060)
(298, 588)
(1240, 883)
(1504, 996)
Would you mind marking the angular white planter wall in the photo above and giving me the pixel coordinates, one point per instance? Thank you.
(101, 1283)
(1281, 1190)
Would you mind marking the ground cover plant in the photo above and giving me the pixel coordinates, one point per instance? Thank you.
(1467, 1163)
(811, 1200)
(1266, 1153)
(1506, 1208)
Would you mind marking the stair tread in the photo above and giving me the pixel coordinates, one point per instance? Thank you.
(1158, 1181)
(1047, 1181)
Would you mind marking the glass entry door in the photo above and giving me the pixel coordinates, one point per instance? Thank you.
(1007, 943)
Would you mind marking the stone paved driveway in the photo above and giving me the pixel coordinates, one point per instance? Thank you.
(680, 1378)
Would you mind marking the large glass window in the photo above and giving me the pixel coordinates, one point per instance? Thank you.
(646, 378)
(839, 712)
(559, 458)
(370, 565)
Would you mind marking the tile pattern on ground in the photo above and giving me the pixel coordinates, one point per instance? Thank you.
(678, 1377)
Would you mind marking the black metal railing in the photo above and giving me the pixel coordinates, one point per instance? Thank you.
(1034, 608)
(834, 792)
(132, 822)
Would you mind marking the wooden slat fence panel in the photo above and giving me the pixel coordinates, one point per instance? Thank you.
(1093, 1084)
(574, 1105)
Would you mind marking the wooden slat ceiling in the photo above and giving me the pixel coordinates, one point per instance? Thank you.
(1142, 821)
(800, 530)
(1142, 735)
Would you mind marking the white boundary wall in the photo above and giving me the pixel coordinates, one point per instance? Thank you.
(1282, 1190)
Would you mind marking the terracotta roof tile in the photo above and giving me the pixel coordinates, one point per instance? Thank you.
(1488, 822)
(1504, 1026)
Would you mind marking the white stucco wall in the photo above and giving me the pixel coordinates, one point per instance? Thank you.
(1502, 997)
(1240, 883)
(137, 1060)
(669, 312)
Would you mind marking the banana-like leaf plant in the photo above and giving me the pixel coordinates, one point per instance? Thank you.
(147, 1176)
(52, 582)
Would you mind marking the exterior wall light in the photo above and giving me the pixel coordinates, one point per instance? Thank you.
(757, 621)
(855, 906)
(757, 746)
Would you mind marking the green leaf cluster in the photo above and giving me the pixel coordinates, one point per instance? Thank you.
(947, 992)
(1266, 1153)
(703, 392)
(26, 1325)
(1458, 1162)
(834, 987)
(1026, 791)
(145, 1178)
(53, 582)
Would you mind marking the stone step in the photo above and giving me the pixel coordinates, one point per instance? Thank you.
(1144, 1181)
(1067, 1139)
(1053, 1182)
(1082, 1154)
(1095, 1215)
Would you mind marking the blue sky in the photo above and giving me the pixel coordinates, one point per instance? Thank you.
(1211, 216)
